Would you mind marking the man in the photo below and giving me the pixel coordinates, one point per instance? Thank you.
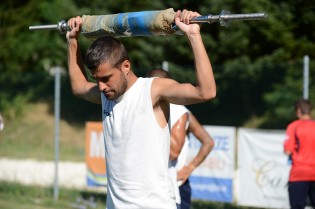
(185, 170)
(183, 121)
(135, 113)
(300, 144)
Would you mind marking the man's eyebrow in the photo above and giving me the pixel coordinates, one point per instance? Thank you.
(104, 77)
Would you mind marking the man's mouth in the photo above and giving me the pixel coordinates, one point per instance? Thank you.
(107, 93)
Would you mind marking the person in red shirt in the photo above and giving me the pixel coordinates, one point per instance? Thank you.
(300, 145)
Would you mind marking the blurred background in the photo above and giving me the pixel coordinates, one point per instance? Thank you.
(258, 66)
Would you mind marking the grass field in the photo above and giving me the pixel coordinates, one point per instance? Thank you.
(16, 196)
(32, 136)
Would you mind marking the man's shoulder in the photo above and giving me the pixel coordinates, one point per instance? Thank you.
(293, 123)
(292, 126)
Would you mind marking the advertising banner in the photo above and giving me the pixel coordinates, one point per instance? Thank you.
(263, 169)
(213, 179)
(95, 154)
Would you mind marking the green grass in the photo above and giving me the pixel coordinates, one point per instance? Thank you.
(17, 196)
(31, 135)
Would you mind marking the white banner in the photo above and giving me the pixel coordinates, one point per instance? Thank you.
(213, 179)
(263, 169)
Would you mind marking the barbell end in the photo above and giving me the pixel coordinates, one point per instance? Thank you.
(61, 26)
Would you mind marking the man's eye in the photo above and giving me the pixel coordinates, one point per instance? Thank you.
(105, 79)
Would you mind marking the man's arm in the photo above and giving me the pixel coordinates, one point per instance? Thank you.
(205, 89)
(289, 142)
(207, 144)
(80, 85)
(286, 146)
(178, 134)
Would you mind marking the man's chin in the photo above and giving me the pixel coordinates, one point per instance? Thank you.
(111, 97)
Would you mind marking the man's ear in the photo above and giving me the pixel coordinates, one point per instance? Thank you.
(126, 67)
(299, 112)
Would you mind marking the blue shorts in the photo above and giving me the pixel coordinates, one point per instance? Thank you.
(185, 195)
(299, 192)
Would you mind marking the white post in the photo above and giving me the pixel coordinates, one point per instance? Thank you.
(1, 123)
(165, 65)
(305, 77)
(56, 71)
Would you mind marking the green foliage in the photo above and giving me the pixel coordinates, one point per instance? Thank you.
(257, 64)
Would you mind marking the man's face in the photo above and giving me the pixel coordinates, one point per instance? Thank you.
(112, 82)
(298, 113)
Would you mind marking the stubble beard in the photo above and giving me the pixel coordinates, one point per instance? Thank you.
(121, 88)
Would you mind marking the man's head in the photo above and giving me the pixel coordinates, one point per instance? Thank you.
(303, 107)
(105, 50)
(108, 63)
(158, 72)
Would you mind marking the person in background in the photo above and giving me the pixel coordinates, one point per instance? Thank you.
(300, 145)
(185, 169)
(135, 113)
(183, 122)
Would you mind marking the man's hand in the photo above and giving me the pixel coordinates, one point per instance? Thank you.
(184, 173)
(182, 20)
(75, 24)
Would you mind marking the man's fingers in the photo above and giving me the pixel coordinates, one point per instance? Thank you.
(75, 22)
(185, 16)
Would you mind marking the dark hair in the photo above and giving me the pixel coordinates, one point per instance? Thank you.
(158, 72)
(304, 105)
(105, 49)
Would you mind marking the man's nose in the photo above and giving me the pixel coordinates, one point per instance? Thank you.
(102, 86)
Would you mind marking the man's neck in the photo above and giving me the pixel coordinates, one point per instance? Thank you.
(305, 117)
(131, 80)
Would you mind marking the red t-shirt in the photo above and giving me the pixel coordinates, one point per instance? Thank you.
(300, 141)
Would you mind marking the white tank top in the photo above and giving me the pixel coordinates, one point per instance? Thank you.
(176, 112)
(136, 151)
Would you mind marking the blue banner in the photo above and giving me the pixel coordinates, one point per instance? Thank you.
(213, 189)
